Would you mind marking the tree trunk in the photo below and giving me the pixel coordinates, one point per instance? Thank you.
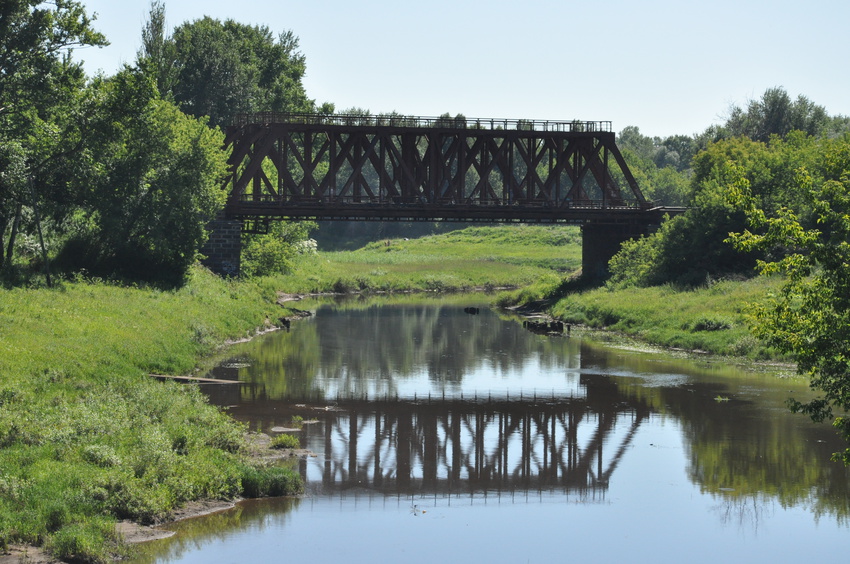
(10, 249)
(3, 223)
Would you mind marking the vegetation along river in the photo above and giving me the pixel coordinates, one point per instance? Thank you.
(445, 435)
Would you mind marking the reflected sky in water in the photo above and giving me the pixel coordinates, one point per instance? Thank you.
(445, 436)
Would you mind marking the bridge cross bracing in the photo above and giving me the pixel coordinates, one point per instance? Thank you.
(411, 168)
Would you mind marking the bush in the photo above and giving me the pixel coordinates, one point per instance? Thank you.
(89, 541)
(285, 441)
(270, 481)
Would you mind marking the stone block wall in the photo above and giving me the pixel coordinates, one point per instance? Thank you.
(223, 250)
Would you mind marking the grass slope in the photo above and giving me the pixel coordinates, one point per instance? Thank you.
(712, 319)
(505, 255)
(86, 437)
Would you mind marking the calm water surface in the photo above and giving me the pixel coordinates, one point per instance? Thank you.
(443, 436)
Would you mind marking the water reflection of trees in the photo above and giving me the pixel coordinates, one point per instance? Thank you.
(191, 534)
(744, 453)
(387, 345)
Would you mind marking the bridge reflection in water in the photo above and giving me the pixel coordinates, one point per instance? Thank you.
(435, 447)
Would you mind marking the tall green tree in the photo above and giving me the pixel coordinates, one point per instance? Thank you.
(157, 56)
(42, 102)
(220, 69)
(810, 316)
(776, 114)
(154, 186)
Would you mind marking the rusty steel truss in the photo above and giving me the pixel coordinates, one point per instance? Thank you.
(411, 168)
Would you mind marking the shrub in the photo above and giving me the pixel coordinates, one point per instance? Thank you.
(88, 541)
(285, 441)
(711, 324)
(270, 481)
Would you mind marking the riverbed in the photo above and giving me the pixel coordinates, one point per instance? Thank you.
(446, 431)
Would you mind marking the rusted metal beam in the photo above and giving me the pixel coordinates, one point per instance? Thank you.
(402, 168)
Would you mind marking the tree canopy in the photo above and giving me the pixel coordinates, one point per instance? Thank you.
(42, 104)
(124, 172)
(810, 316)
(220, 69)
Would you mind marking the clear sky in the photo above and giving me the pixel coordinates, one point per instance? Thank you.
(666, 66)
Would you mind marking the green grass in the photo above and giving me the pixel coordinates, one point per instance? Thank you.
(711, 319)
(475, 257)
(87, 437)
(285, 440)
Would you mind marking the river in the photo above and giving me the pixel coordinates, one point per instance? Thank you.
(449, 434)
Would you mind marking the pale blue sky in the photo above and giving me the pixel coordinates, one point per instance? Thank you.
(666, 66)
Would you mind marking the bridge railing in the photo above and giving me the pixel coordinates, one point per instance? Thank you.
(395, 120)
(392, 201)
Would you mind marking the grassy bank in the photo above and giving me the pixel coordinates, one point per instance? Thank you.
(475, 257)
(711, 319)
(87, 437)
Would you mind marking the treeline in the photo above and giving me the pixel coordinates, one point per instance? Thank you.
(768, 146)
(119, 175)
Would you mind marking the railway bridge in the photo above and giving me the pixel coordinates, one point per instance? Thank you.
(403, 168)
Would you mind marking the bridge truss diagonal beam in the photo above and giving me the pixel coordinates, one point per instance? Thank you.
(332, 168)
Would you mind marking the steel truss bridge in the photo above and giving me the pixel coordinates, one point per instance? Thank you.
(401, 168)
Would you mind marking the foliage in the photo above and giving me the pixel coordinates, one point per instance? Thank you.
(152, 186)
(270, 481)
(675, 151)
(776, 114)
(285, 441)
(41, 107)
(275, 252)
(809, 317)
(226, 68)
(690, 249)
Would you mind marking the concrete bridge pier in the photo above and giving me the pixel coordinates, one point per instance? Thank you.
(599, 243)
(223, 250)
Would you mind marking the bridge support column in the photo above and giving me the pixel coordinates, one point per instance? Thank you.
(599, 243)
(223, 250)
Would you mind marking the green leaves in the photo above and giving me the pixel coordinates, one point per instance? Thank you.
(810, 317)
(158, 181)
(225, 68)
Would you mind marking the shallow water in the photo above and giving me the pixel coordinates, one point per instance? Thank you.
(446, 436)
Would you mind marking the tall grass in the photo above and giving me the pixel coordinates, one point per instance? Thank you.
(86, 437)
(712, 318)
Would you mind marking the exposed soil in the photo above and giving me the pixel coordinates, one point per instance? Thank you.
(20, 554)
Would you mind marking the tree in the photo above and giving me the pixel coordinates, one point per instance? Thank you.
(809, 318)
(41, 101)
(274, 252)
(155, 186)
(158, 55)
(775, 114)
(225, 68)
